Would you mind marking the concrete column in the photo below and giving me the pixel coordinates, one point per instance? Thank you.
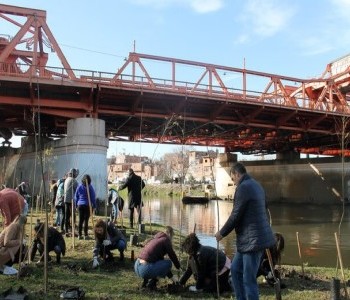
(84, 148)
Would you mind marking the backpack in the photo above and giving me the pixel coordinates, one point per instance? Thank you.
(113, 196)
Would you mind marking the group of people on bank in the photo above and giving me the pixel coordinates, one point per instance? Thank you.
(68, 196)
(209, 266)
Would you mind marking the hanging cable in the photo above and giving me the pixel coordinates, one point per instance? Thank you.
(44, 188)
(211, 161)
(141, 181)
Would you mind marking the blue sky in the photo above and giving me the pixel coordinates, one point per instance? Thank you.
(293, 38)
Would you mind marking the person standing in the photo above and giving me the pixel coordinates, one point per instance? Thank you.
(12, 204)
(117, 203)
(85, 201)
(53, 192)
(253, 232)
(135, 184)
(151, 263)
(59, 203)
(70, 186)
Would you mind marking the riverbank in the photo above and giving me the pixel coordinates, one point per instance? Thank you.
(118, 281)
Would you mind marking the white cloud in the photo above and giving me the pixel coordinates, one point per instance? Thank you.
(342, 7)
(242, 39)
(199, 6)
(267, 16)
(314, 45)
(206, 6)
(332, 37)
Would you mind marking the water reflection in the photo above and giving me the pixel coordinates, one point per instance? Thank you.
(316, 226)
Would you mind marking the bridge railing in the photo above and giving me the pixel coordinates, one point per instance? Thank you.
(279, 96)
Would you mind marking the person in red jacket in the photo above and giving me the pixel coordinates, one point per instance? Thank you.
(11, 205)
(151, 263)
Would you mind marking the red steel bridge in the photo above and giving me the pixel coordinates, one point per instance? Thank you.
(167, 100)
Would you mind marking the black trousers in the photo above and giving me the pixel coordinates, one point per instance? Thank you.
(84, 215)
(132, 209)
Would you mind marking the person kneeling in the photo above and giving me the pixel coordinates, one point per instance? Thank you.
(10, 245)
(202, 264)
(55, 242)
(151, 263)
(107, 238)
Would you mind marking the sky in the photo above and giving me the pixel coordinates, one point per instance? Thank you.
(294, 38)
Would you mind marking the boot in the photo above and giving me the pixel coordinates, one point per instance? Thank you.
(152, 284)
(121, 258)
(144, 283)
(58, 258)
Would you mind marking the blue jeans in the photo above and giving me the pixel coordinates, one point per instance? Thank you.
(244, 268)
(114, 215)
(120, 245)
(59, 215)
(160, 268)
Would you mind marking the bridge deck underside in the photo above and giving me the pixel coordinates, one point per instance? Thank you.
(143, 115)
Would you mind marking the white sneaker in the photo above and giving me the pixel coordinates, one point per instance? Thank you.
(193, 288)
(9, 271)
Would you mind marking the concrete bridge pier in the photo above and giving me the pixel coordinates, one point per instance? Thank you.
(84, 148)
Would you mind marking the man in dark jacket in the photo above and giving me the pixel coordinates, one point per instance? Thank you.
(253, 231)
(135, 184)
(55, 242)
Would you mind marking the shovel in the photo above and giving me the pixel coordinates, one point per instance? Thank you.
(277, 283)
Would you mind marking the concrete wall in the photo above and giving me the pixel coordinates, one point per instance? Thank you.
(316, 181)
(291, 179)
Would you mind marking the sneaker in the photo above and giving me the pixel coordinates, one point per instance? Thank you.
(9, 271)
(87, 238)
(175, 279)
(80, 237)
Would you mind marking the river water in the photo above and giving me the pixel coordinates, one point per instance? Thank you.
(315, 225)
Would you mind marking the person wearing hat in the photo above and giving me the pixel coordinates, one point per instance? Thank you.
(135, 184)
(70, 186)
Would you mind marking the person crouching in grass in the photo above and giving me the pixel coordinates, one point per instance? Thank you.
(107, 238)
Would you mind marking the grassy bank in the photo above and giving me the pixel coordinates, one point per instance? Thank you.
(167, 189)
(118, 281)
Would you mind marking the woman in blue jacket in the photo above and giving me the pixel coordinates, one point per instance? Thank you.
(83, 199)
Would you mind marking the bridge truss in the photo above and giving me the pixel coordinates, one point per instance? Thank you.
(168, 100)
